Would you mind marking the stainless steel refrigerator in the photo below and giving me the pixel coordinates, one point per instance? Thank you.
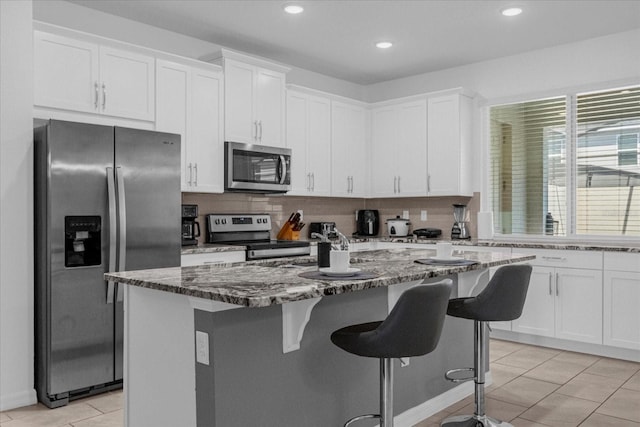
(106, 199)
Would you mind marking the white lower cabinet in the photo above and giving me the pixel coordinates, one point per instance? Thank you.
(564, 302)
(621, 298)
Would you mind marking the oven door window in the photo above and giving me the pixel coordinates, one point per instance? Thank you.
(264, 168)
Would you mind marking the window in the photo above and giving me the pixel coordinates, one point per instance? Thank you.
(567, 166)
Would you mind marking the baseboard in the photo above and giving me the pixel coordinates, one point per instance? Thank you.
(18, 400)
(561, 344)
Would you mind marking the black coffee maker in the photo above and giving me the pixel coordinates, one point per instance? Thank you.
(190, 227)
(367, 222)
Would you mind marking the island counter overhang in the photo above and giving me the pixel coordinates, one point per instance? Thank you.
(161, 373)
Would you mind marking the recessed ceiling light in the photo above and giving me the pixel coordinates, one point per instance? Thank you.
(511, 11)
(384, 45)
(293, 8)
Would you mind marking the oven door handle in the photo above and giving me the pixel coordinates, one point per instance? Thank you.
(282, 169)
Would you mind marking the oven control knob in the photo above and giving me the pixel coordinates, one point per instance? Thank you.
(217, 221)
(224, 221)
(259, 220)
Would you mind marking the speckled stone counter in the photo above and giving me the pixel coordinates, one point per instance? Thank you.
(271, 282)
(573, 246)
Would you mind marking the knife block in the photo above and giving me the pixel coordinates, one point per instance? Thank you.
(287, 233)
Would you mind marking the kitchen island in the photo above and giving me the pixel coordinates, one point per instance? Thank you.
(262, 346)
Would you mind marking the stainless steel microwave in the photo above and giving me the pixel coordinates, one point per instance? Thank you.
(253, 168)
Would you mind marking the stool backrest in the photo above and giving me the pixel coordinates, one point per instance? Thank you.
(414, 325)
(504, 296)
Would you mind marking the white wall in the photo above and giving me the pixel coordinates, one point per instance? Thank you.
(16, 205)
(585, 64)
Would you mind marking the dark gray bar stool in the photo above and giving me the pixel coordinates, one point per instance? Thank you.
(412, 328)
(501, 300)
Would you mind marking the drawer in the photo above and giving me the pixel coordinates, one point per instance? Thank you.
(212, 258)
(591, 260)
(622, 261)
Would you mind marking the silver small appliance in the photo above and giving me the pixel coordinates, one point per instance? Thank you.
(460, 229)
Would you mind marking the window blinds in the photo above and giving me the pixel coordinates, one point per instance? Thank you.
(607, 130)
(535, 145)
(528, 167)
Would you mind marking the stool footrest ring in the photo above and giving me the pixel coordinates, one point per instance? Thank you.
(361, 417)
(448, 374)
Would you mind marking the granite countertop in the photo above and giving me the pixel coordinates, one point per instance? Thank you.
(574, 246)
(276, 281)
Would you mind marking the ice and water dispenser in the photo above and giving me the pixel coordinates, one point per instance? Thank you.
(82, 241)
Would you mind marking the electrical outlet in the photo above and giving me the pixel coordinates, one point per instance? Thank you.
(423, 215)
(405, 214)
(202, 347)
(301, 212)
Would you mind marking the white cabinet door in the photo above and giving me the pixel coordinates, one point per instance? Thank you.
(319, 145)
(127, 84)
(538, 315)
(205, 148)
(254, 104)
(270, 107)
(172, 107)
(86, 77)
(309, 137)
(384, 147)
(579, 305)
(411, 146)
(297, 142)
(448, 141)
(65, 73)
(399, 150)
(239, 95)
(348, 150)
(189, 103)
(620, 309)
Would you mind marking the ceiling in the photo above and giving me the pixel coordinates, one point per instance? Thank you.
(336, 38)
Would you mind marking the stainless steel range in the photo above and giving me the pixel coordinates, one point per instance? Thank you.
(254, 232)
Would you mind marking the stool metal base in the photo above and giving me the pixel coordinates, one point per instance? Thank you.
(360, 417)
(473, 421)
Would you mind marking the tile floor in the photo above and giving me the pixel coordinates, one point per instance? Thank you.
(532, 387)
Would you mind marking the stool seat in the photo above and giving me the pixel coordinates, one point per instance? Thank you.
(413, 328)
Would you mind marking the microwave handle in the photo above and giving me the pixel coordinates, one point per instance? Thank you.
(282, 169)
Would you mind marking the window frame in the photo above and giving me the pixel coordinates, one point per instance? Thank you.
(571, 95)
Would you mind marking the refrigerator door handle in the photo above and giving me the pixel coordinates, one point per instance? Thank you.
(111, 193)
(122, 216)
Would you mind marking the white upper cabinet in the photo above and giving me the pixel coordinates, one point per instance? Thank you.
(254, 100)
(309, 137)
(349, 158)
(189, 102)
(81, 76)
(449, 166)
(399, 150)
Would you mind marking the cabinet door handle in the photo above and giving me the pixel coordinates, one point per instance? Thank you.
(195, 168)
(97, 95)
(255, 130)
(260, 124)
(190, 173)
(557, 284)
(350, 184)
(395, 184)
(399, 191)
(429, 183)
(308, 182)
(104, 96)
(550, 284)
(313, 181)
